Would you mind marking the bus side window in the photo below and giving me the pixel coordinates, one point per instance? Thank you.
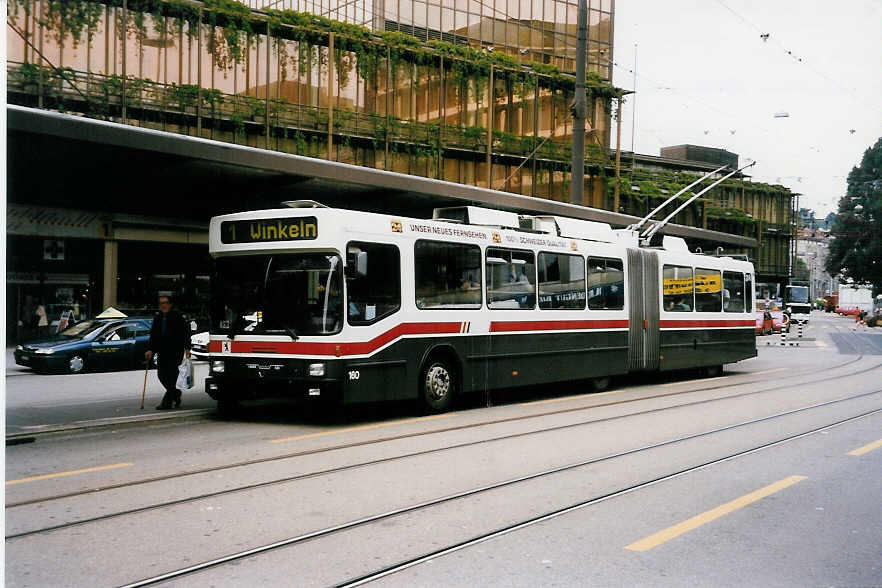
(748, 293)
(733, 292)
(561, 281)
(677, 288)
(708, 290)
(606, 284)
(377, 293)
(447, 275)
(511, 279)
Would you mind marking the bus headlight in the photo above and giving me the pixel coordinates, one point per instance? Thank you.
(48, 351)
(316, 369)
(217, 366)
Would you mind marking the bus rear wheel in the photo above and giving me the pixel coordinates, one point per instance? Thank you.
(437, 385)
(600, 384)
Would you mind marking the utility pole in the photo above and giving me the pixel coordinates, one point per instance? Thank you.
(634, 113)
(580, 110)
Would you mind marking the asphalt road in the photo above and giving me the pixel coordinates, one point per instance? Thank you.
(765, 476)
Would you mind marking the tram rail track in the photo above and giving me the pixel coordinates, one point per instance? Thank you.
(388, 438)
(422, 558)
(369, 463)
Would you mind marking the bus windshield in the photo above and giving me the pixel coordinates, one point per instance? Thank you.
(288, 294)
(797, 294)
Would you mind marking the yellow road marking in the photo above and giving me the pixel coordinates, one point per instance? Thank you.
(362, 428)
(866, 448)
(70, 473)
(671, 532)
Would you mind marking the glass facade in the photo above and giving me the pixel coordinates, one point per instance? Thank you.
(470, 91)
(536, 30)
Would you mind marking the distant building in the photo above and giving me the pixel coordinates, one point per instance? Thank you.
(705, 154)
(812, 249)
(740, 206)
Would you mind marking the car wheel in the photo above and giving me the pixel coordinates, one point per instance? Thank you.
(76, 364)
(437, 385)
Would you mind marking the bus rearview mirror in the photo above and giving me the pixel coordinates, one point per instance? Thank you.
(357, 264)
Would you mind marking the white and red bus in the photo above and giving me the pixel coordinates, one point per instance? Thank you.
(357, 307)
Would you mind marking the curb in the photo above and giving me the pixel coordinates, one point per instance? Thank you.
(78, 426)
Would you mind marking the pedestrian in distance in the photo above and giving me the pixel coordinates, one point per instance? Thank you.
(170, 339)
(857, 319)
(42, 320)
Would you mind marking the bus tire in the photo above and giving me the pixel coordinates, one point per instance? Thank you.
(228, 408)
(438, 384)
(713, 371)
(600, 384)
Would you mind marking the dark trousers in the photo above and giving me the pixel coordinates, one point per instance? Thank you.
(167, 370)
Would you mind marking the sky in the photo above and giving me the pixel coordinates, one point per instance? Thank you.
(705, 76)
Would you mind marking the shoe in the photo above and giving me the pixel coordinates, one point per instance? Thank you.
(163, 406)
(178, 402)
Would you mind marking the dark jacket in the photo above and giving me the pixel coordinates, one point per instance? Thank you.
(177, 334)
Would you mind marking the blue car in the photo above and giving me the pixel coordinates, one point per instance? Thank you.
(95, 344)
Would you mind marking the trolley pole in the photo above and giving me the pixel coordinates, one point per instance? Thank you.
(579, 108)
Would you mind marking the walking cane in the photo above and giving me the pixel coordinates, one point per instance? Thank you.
(144, 391)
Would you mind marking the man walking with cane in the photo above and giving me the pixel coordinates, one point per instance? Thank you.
(170, 338)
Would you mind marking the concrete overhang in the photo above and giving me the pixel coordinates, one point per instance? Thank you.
(127, 150)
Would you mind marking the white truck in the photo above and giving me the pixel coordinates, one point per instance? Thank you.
(855, 297)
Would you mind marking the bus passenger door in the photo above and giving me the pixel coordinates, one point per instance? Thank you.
(643, 312)
(477, 363)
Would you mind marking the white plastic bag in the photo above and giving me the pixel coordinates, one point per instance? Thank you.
(185, 375)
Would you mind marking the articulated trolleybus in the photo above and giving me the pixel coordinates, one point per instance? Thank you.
(356, 306)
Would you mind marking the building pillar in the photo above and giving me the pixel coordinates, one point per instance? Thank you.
(111, 272)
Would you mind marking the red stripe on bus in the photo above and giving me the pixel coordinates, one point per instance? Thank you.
(509, 326)
(337, 349)
(681, 324)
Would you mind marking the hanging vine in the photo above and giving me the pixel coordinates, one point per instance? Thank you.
(63, 18)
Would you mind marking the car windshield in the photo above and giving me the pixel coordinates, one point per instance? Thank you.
(294, 294)
(797, 294)
(82, 329)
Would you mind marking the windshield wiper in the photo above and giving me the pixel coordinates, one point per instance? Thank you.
(284, 329)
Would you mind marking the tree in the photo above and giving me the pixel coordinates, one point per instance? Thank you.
(856, 248)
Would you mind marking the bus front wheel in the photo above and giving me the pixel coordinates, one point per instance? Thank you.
(437, 385)
(228, 408)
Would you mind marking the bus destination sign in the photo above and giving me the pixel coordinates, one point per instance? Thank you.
(264, 230)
